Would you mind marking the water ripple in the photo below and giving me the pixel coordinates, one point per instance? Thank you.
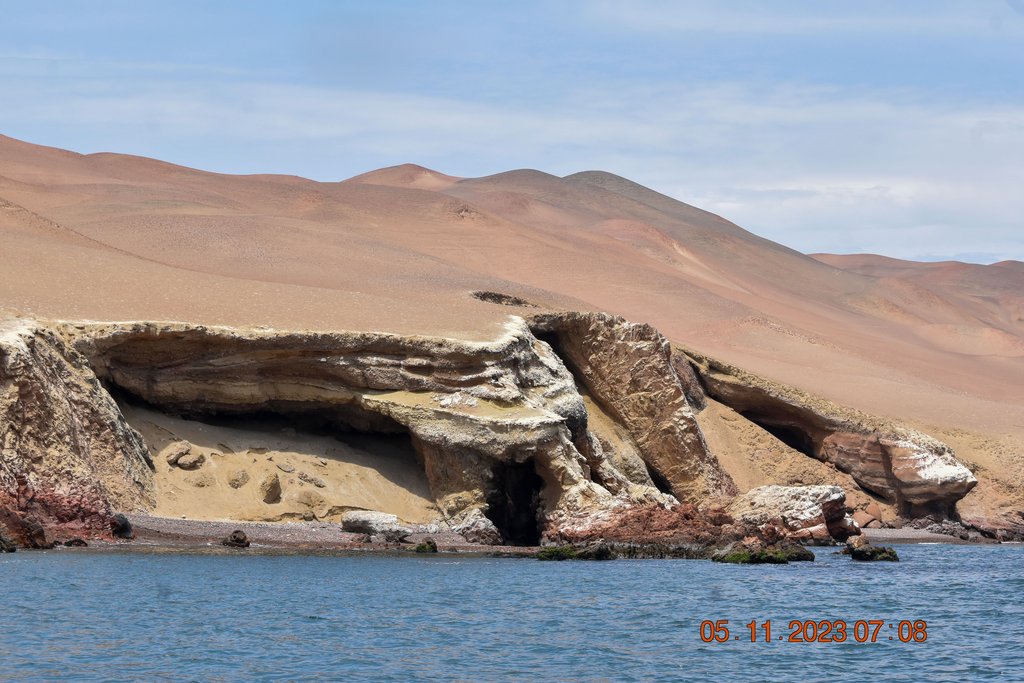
(110, 617)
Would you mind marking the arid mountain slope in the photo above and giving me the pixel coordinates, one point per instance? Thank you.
(401, 250)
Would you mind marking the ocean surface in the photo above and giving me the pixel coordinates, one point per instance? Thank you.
(85, 615)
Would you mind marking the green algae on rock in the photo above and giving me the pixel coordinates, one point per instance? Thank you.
(784, 553)
(874, 553)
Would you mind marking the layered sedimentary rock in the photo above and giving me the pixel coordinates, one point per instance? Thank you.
(628, 369)
(67, 457)
(898, 464)
(495, 424)
(814, 514)
(561, 428)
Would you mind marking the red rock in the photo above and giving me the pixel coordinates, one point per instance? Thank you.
(66, 452)
(654, 524)
(863, 518)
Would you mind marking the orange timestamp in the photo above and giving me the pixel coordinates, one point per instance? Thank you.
(813, 631)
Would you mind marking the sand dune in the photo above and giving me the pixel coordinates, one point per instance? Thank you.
(108, 236)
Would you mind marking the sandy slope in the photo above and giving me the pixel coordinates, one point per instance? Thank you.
(109, 236)
(317, 474)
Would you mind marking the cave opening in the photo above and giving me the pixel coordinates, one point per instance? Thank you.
(513, 504)
(792, 435)
(660, 482)
(329, 458)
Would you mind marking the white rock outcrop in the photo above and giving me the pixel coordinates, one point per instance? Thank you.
(815, 514)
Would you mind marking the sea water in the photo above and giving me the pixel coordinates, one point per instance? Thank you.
(111, 616)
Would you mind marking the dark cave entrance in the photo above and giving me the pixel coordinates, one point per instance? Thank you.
(514, 502)
(660, 482)
(789, 434)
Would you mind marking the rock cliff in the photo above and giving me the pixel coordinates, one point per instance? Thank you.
(917, 473)
(495, 425)
(67, 457)
(560, 428)
(628, 369)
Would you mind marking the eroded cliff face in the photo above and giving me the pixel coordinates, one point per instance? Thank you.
(627, 368)
(498, 426)
(67, 457)
(911, 470)
(557, 429)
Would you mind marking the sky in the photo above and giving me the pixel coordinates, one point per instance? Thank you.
(835, 126)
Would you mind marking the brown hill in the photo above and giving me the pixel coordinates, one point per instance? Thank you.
(115, 237)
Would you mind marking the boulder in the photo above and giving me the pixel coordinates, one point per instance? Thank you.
(311, 499)
(191, 461)
(374, 523)
(75, 543)
(856, 542)
(863, 518)
(861, 550)
(238, 479)
(270, 489)
(177, 451)
(7, 545)
(476, 528)
(36, 536)
(428, 545)
(755, 551)
(597, 551)
(121, 527)
(311, 479)
(237, 539)
(201, 480)
(814, 514)
(927, 475)
(24, 531)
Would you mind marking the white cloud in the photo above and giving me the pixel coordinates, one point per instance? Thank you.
(819, 169)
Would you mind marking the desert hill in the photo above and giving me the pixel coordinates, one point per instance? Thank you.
(113, 237)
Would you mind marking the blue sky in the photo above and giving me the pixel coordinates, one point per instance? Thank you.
(889, 127)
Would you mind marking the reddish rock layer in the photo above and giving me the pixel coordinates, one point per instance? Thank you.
(66, 455)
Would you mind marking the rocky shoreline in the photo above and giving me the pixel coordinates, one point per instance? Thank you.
(167, 532)
(154, 534)
(569, 429)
